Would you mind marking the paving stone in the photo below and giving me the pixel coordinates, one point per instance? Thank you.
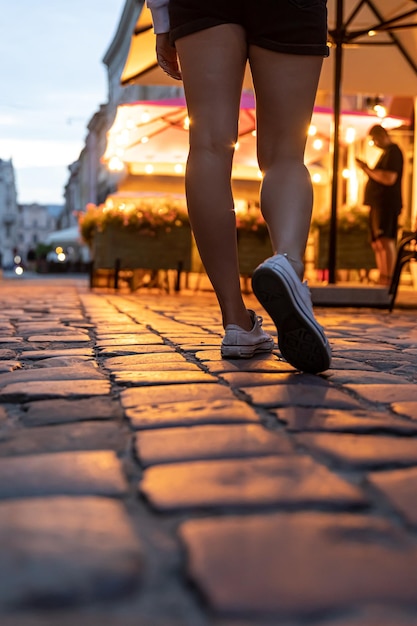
(44, 412)
(307, 396)
(209, 442)
(299, 419)
(9, 366)
(191, 413)
(47, 328)
(60, 338)
(342, 377)
(62, 473)
(27, 391)
(57, 352)
(114, 351)
(139, 372)
(133, 361)
(139, 396)
(406, 408)
(210, 355)
(7, 354)
(67, 437)
(71, 361)
(127, 337)
(80, 372)
(400, 487)
(363, 451)
(152, 378)
(383, 616)
(339, 363)
(64, 552)
(326, 562)
(286, 481)
(258, 379)
(103, 330)
(11, 340)
(131, 340)
(386, 394)
(3, 415)
(248, 365)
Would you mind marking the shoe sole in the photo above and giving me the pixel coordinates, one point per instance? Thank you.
(300, 339)
(245, 352)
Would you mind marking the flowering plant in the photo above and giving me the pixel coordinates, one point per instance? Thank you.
(348, 218)
(147, 216)
(251, 220)
(150, 215)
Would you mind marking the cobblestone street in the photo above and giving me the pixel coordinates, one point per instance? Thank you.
(144, 481)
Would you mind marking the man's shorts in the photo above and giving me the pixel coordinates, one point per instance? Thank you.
(383, 223)
(289, 26)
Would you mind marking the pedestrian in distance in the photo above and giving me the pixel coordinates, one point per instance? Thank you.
(207, 45)
(383, 194)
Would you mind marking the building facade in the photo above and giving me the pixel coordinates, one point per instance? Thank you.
(34, 223)
(89, 179)
(8, 214)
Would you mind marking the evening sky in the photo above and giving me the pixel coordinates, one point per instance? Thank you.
(52, 81)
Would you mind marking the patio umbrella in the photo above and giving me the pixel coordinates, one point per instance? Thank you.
(374, 51)
(141, 67)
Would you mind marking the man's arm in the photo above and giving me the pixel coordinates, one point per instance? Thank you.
(384, 177)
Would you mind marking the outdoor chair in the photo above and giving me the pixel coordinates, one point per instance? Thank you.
(407, 251)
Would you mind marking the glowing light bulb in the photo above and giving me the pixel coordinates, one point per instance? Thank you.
(149, 169)
(115, 164)
(350, 135)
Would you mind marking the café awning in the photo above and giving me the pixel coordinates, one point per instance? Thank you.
(152, 137)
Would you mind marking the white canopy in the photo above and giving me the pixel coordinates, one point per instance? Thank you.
(67, 236)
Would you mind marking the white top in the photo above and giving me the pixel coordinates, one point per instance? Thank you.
(160, 15)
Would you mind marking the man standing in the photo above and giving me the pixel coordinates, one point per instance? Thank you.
(384, 197)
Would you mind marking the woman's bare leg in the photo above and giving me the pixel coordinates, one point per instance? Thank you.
(285, 87)
(212, 64)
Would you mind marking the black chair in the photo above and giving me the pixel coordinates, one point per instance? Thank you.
(407, 250)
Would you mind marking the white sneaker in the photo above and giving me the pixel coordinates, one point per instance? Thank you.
(301, 339)
(243, 344)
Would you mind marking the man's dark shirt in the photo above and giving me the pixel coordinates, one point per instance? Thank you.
(387, 197)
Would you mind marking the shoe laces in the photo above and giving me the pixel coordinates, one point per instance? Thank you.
(259, 319)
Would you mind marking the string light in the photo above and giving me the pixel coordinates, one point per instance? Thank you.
(318, 144)
(115, 164)
(350, 135)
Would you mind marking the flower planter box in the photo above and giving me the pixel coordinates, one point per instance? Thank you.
(253, 249)
(116, 249)
(134, 250)
(353, 251)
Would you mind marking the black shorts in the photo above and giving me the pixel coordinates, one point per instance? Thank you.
(383, 223)
(289, 26)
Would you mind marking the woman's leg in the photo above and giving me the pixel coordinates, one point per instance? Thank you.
(212, 64)
(285, 87)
